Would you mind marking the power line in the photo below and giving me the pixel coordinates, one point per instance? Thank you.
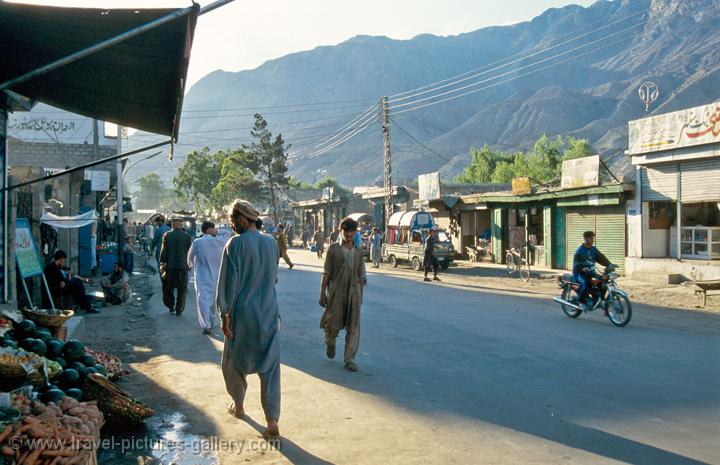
(512, 78)
(359, 120)
(497, 62)
(552, 57)
(419, 142)
(349, 136)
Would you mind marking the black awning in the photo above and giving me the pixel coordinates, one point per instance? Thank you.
(138, 83)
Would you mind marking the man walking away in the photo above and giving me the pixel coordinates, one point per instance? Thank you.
(319, 239)
(430, 259)
(341, 294)
(375, 247)
(282, 243)
(116, 287)
(174, 267)
(204, 258)
(250, 319)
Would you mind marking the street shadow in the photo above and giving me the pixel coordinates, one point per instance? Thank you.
(294, 453)
(508, 360)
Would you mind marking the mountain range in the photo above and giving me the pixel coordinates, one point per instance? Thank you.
(570, 71)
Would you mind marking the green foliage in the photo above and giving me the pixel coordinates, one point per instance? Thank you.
(543, 163)
(198, 176)
(152, 193)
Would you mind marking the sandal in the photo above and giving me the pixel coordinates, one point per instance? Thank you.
(231, 410)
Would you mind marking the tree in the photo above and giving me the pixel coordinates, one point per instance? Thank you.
(267, 160)
(577, 148)
(236, 180)
(198, 176)
(152, 193)
(481, 167)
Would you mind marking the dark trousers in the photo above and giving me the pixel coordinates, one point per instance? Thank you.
(175, 279)
(430, 261)
(76, 289)
(129, 259)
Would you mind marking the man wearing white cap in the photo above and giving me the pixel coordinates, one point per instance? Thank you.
(204, 257)
(249, 313)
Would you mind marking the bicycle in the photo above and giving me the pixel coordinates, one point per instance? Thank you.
(517, 264)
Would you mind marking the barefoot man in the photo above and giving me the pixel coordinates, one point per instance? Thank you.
(249, 313)
(341, 293)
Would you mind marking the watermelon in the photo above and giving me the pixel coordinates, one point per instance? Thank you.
(53, 395)
(26, 328)
(55, 347)
(87, 360)
(70, 378)
(73, 349)
(38, 346)
(88, 371)
(27, 343)
(76, 366)
(9, 343)
(74, 393)
(62, 362)
(10, 335)
(43, 334)
(101, 370)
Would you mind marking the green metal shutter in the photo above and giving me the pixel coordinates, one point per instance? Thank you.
(610, 234)
(559, 238)
(700, 180)
(577, 221)
(497, 228)
(547, 236)
(609, 226)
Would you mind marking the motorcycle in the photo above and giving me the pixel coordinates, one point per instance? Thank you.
(602, 293)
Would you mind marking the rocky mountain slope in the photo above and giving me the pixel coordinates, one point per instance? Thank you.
(585, 86)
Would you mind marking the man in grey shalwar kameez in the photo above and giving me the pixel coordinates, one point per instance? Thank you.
(249, 313)
(341, 293)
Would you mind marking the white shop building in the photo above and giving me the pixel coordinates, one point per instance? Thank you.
(674, 221)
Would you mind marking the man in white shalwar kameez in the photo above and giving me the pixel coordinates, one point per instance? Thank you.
(204, 258)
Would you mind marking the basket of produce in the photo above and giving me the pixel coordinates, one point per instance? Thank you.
(111, 363)
(17, 363)
(116, 404)
(48, 318)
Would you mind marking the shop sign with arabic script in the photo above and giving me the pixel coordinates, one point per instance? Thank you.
(684, 128)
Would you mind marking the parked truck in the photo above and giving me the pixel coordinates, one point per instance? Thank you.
(405, 240)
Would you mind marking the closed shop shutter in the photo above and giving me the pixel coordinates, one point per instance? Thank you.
(659, 182)
(700, 180)
(610, 234)
(577, 221)
(609, 226)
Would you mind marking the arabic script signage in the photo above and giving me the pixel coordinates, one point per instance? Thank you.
(684, 128)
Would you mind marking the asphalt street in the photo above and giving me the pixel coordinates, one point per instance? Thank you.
(460, 373)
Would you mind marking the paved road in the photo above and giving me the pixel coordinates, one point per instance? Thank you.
(458, 373)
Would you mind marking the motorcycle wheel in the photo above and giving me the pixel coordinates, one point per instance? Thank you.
(524, 270)
(619, 310)
(569, 311)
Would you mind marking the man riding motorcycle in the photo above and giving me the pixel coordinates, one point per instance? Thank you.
(584, 266)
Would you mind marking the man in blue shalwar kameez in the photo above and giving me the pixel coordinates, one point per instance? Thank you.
(249, 313)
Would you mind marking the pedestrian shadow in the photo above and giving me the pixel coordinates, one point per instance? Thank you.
(419, 354)
(294, 453)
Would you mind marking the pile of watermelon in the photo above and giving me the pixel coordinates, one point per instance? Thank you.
(71, 356)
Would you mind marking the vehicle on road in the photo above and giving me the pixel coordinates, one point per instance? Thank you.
(405, 240)
(365, 222)
(602, 293)
(516, 263)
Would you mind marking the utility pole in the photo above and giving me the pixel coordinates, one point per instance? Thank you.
(119, 193)
(385, 118)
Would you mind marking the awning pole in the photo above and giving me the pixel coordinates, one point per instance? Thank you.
(89, 165)
(100, 46)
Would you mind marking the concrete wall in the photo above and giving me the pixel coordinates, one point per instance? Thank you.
(659, 269)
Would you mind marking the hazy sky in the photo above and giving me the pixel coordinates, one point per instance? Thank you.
(243, 34)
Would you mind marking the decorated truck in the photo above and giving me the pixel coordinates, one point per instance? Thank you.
(405, 240)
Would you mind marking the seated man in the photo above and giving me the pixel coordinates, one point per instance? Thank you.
(61, 282)
(116, 287)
